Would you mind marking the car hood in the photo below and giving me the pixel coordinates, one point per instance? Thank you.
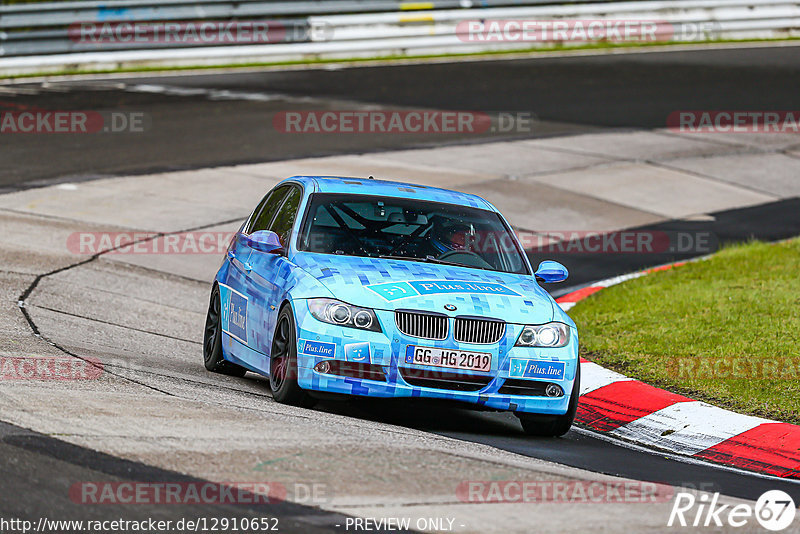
(397, 284)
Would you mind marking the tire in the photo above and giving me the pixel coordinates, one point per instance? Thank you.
(212, 341)
(553, 425)
(283, 363)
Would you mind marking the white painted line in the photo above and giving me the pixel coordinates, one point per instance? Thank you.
(687, 427)
(618, 279)
(594, 377)
(211, 94)
(19, 91)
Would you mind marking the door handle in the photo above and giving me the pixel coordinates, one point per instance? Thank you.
(247, 267)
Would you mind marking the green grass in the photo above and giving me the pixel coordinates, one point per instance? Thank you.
(725, 330)
(392, 58)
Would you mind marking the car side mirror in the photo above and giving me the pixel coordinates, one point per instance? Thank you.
(265, 241)
(551, 271)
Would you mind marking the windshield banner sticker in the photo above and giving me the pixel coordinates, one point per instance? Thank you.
(399, 290)
(433, 287)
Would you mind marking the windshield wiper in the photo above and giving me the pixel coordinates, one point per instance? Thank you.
(431, 259)
(427, 259)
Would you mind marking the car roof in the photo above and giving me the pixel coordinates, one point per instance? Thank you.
(369, 186)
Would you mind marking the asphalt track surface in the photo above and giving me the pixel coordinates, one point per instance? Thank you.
(576, 449)
(570, 94)
(230, 120)
(767, 222)
(39, 471)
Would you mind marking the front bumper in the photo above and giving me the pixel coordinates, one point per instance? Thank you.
(318, 341)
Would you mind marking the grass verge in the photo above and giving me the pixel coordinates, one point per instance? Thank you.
(725, 330)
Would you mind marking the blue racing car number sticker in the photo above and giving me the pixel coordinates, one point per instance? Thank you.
(318, 348)
(234, 312)
(536, 369)
(399, 290)
(357, 352)
(394, 290)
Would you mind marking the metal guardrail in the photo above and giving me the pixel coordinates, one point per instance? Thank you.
(344, 28)
(63, 13)
(44, 28)
(719, 15)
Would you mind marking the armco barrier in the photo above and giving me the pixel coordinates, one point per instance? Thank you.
(46, 33)
(43, 28)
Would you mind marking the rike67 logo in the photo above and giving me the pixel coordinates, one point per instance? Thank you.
(774, 510)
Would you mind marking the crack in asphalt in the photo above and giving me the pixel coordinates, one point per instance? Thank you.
(21, 301)
(197, 382)
(115, 324)
(49, 217)
(35, 329)
(665, 165)
(133, 297)
(401, 430)
(19, 273)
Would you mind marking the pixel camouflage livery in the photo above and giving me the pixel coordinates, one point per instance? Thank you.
(261, 317)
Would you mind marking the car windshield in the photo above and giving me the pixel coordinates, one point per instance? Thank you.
(409, 229)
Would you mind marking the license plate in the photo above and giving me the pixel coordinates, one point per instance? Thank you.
(452, 359)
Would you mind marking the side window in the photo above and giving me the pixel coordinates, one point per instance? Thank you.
(268, 208)
(284, 220)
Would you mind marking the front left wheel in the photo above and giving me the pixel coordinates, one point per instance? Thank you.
(553, 425)
(212, 341)
(283, 363)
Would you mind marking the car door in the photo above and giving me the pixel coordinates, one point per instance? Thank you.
(266, 281)
(234, 291)
(239, 252)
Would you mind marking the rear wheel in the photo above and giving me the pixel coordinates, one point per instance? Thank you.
(553, 425)
(283, 363)
(212, 341)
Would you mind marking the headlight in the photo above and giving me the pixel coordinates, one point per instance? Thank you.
(544, 335)
(340, 313)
